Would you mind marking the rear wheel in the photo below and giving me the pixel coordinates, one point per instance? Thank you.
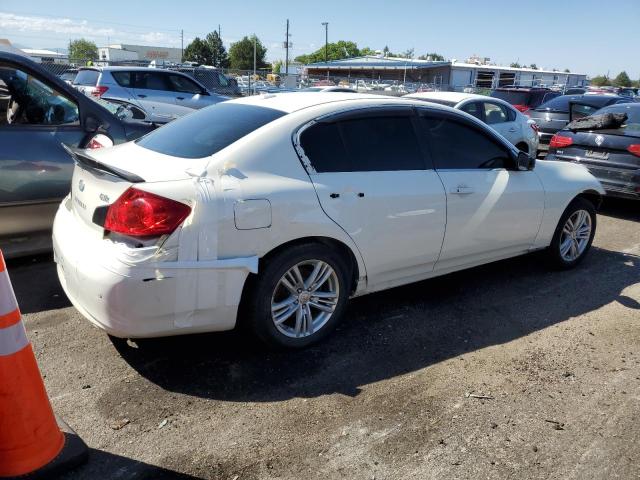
(574, 234)
(299, 296)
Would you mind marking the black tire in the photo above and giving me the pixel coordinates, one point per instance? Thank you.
(257, 311)
(553, 252)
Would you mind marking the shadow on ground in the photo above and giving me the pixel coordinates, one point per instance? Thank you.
(393, 332)
(621, 208)
(36, 284)
(121, 468)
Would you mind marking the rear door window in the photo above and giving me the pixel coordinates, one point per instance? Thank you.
(87, 78)
(122, 78)
(473, 108)
(368, 144)
(151, 81)
(494, 113)
(458, 145)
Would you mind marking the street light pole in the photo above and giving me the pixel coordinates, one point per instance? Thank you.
(326, 46)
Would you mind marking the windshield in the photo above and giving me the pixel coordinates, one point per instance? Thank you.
(87, 78)
(207, 131)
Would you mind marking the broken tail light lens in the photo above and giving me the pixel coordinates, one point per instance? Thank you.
(99, 141)
(138, 213)
(559, 141)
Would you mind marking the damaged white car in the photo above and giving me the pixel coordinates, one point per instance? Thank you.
(273, 210)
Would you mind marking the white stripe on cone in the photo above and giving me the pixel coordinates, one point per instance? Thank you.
(13, 339)
(8, 302)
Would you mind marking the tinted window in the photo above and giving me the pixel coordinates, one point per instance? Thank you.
(494, 113)
(207, 131)
(473, 109)
(514, 97)
(323, 146)
(87, 78)
(459, 146)
(559, 104)
(363, 145)
(446, 103)
(150, 81)
(26, 100)
(122, 78)
(183, 84)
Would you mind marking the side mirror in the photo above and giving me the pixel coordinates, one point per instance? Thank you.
(525, 162)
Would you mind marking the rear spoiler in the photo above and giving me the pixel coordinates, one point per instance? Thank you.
(81, 158)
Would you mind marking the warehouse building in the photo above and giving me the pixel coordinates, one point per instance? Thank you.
(446, 74)
(126, 52)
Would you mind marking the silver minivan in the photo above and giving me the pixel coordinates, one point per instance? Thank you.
(162, 94)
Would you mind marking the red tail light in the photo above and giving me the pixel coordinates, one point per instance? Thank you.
(99, 91)
(99, 141)
(558, 141)
(634, 149)
(142, 214)
(521, 108)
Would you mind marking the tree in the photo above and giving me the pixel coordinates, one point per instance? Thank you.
(198, 51)
(566, 70)
(434, 57)
(600, 81)
(241, 54)
(533, 66)
(515, 65)
(218, 53)
(335, 51)
(276, 67)
(622, 80)
(82, 50)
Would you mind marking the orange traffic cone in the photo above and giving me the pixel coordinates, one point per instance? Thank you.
(32, 443)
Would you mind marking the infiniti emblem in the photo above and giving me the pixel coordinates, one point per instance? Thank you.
(81, 183)
(599, 140)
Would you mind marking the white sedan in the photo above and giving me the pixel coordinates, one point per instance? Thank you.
(273, 210)
(516, 127)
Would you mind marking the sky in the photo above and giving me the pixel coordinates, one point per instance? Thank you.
(586, 36)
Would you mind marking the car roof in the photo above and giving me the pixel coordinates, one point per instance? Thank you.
(446, 96)
(290, 102)
(131, 69)
(594, 100)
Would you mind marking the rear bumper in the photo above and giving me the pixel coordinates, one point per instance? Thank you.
(617, 182)
(148, 299)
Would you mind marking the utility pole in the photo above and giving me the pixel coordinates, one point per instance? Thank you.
(286, 47)
(326, 46)
(181, 46)
(255, 39)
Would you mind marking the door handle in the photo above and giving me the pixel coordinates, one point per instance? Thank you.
(512, 129)
(334, 195)
(142, 96)
(180, 98)
(461, 190)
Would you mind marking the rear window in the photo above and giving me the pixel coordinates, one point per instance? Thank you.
(632, 111)
(87, 78)
(207, 131)
(514, 97)
(446, 103)
(558, 104)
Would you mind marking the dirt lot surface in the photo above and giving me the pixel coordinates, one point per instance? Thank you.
(504, 371)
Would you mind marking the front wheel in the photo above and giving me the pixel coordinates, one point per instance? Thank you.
(574, 234)
(299, 296)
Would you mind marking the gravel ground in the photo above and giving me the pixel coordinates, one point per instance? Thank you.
(504, 371)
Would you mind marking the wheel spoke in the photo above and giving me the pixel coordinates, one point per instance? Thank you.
(565, 246)
(299, 320)
(297, 275)
(327, 295)
(319, 306)
(574, 249)
(289, 283)
(308, 325)
(322, 279)
(317, 268)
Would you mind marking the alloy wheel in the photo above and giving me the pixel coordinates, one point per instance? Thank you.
(575, 235)
(305, 298)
